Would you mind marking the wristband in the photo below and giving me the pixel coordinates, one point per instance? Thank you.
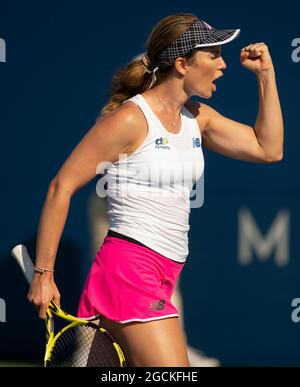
(42, 270)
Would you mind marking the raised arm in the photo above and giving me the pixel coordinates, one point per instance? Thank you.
(264, 141)
(109, 137)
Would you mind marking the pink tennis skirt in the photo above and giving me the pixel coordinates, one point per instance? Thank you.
(129, 282)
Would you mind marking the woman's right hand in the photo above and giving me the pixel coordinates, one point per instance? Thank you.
(42, 291)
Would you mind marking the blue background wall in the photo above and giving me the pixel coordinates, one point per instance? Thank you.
(60, 57)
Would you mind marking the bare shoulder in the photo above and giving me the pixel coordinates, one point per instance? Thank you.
(202, 112)
(137, 125)
(127, 116)
(126, 122)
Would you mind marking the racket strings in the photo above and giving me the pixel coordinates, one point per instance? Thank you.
(84, 346)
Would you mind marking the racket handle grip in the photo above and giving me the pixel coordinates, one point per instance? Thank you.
(24, 261)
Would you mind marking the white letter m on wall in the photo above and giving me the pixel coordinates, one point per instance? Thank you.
(251, 240)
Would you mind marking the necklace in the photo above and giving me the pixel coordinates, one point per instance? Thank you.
(172, 121)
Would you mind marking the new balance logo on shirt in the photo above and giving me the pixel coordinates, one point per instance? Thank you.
(196, 142)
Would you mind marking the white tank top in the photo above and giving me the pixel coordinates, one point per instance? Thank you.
(149, 191)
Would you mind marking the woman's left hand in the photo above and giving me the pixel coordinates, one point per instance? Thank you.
(256, 57)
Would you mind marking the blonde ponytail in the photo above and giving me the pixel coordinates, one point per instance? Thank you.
(135, 78)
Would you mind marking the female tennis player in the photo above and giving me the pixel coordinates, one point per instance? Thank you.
(149, 137)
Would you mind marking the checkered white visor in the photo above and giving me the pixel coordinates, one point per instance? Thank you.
(199, 34)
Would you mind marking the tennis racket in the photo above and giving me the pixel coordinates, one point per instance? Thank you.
(81, 343)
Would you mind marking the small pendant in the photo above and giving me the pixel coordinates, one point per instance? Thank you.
(174, 123)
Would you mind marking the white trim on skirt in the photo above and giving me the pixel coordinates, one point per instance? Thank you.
(133, 319)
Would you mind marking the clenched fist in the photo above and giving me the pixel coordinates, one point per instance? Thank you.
(256, 57)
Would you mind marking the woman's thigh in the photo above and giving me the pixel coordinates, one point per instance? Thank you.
(158, 343)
